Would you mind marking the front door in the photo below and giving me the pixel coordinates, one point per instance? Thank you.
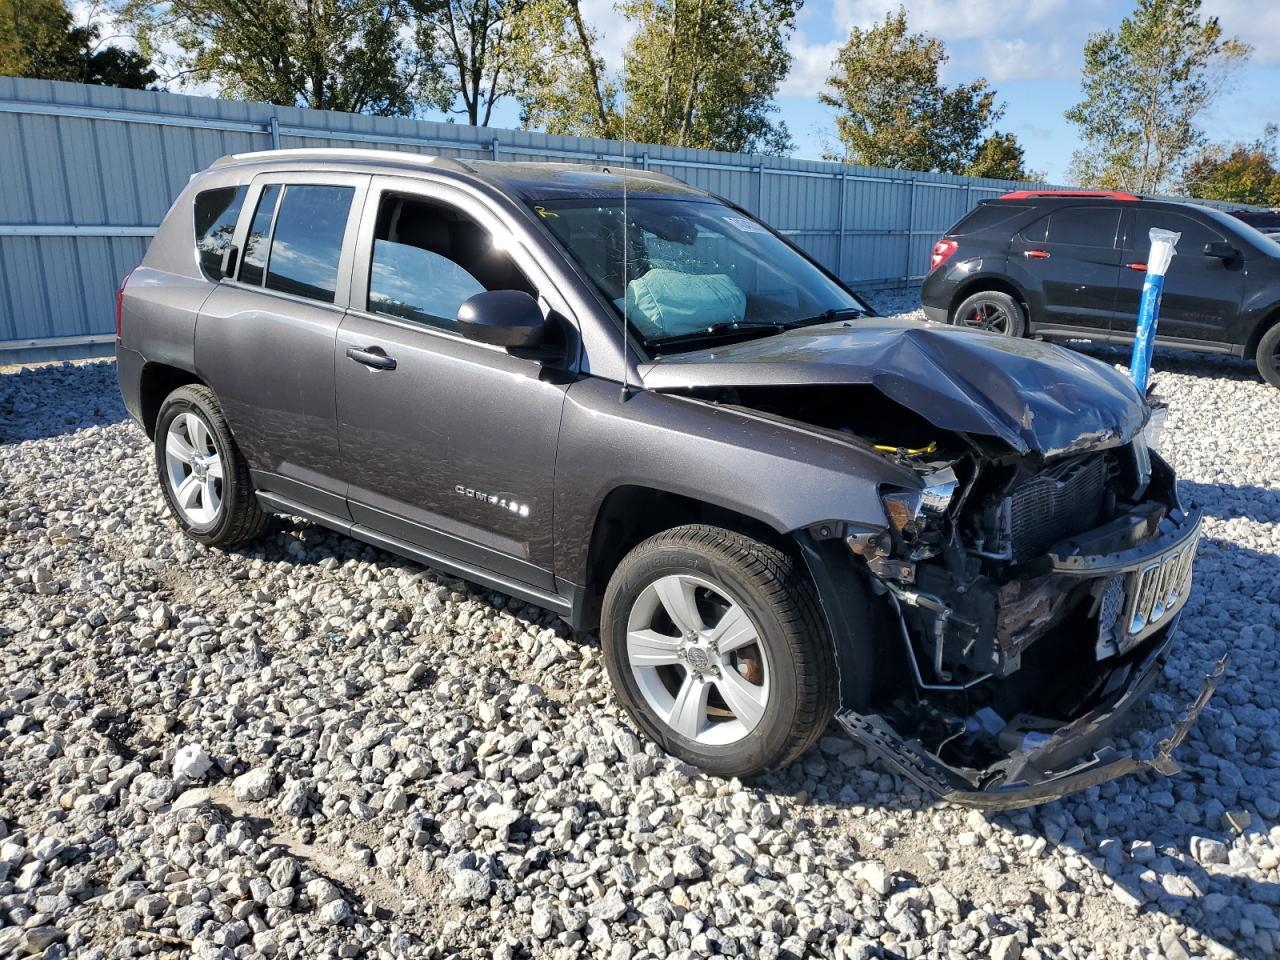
(265, 338)
(452, 449)
(1201, 295)
(1073, 259)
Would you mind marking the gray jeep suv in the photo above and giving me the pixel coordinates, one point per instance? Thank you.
(633, 404)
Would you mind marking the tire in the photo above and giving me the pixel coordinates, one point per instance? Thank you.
(774, 691)
(214, 507)
(1269, 356)
(993, 311)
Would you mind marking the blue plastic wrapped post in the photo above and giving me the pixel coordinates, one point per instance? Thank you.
(1163, 243)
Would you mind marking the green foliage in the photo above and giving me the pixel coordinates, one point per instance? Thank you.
(39, 39)
(1240, 173)
(895, 112)
(559, 76)
(1144, 87)
(703, 73)
(471, 41)
(326, 54)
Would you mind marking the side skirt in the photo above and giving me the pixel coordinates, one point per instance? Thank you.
(564, 606)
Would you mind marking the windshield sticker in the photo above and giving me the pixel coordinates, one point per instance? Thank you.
(745, 225)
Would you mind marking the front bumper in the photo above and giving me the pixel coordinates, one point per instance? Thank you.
(1051, 770)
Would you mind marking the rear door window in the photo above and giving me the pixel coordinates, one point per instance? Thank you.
(1085, 226)
(307, 243)
(216, 214)
(984, 217)
(1194, 233)
(254, 260)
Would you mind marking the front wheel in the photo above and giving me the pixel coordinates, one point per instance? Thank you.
(992, 311)
(716, 647)
(1269, 356)
(204, 478)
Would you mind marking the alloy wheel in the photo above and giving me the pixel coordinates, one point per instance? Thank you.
(986, 316)
(193, 468)
(697, 659)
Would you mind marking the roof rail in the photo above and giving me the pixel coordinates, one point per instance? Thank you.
(349, 153)
(1031, 194)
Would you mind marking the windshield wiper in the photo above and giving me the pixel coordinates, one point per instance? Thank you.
(717, 331)
(827, 316)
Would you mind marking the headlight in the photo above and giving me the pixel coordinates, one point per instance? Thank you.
(904, 506)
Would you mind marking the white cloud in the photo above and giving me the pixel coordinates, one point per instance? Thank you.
(810, 65)
(948, 20)
(1020, 59)
(613, 31)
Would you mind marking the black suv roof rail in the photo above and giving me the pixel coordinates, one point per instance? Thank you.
(1032, 194)
(339, 154)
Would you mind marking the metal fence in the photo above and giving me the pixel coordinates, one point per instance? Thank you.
(87, 173)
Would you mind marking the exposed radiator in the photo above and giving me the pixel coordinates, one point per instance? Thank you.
(1066, 499)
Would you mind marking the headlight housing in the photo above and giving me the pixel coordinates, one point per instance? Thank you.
(904, 507)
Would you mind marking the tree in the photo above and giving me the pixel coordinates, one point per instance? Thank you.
(894, 110)
(703, 73)
(38, 38)
(326, 54)
(1240, 173)
(472, 41)
(559, 76)
(1143, 88)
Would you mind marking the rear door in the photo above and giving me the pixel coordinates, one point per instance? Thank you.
(454, 449)
(265, 338)
(1202, 294)
(1072, 257)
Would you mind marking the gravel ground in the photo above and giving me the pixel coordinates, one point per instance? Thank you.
(313, 749)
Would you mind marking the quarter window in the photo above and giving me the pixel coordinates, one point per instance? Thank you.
(1084, 226)
(216, 213)
(429, 257)
(307, 243)
(254, 259)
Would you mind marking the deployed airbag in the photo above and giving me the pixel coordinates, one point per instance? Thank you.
(665, 303)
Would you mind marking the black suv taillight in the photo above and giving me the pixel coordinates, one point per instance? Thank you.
(942, 251)
(120, 305)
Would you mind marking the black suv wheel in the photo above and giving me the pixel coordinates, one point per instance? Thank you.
(1269, 356)
(204, 478)
(992, 311)
(716, 647)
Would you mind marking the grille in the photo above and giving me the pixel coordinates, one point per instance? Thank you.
(1064, 500)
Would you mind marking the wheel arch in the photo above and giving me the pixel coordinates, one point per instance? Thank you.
(1269, 319)
(631, 513)
(984, 283)
(158, 380)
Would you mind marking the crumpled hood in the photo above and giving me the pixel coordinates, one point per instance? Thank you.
(1035, 396)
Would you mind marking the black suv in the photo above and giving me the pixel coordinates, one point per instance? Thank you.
(635, 405)
(1070, 264)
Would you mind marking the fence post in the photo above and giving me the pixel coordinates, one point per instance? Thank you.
(911, 227)
(759, 211)
(273, 127)
(494, 147)
(844, 192)
(644, 160)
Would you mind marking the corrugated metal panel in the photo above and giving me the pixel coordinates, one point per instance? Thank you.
(89, 171)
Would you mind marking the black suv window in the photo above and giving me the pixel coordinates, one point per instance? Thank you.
(1194, 233)
(1084, 226)
(216, 213)
(307, 243)
(985, 216)
(254, 258)
(429, 257)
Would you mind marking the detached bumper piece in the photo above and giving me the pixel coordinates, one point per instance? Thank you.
(1052, 768)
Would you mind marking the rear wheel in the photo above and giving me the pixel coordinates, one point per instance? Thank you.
(204, 478)
(992, 311)
(716, 647)
(1269, 356)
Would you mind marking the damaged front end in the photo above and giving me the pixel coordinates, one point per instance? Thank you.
(1032, 603)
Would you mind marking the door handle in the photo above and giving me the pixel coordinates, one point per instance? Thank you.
(372, 357)
(1036, 254)
(1140, 267)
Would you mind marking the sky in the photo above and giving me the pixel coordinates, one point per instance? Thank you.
(1030, 51)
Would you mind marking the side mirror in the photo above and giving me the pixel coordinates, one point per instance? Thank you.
(1220, 250)
(505, 318)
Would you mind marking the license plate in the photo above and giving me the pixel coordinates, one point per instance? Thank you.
(1158, 589)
